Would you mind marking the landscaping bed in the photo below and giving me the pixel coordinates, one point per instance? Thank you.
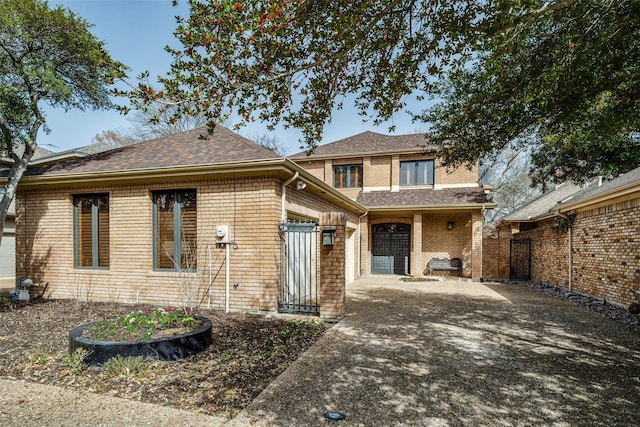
(247, 353)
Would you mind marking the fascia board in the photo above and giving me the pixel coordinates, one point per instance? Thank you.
(630, 188)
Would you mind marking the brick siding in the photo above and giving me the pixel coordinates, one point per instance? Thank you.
(250, 206)
(605, 257)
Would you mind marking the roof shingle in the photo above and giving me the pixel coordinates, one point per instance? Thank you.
(183, 149)
(369, 142)
(424, 197)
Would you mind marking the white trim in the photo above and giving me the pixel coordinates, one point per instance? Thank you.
(464, 185)
(372, 189)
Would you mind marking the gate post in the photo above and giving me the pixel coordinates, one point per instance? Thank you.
(332, 279)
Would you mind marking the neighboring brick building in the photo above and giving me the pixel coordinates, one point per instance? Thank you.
(584, 239)
(416, 210)
(140, 224)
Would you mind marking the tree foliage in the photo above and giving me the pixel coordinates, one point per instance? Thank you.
(48, 56)
(294, 62)
(560, 73)
(567, 83)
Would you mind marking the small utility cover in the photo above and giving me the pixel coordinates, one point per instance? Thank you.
(334, 416)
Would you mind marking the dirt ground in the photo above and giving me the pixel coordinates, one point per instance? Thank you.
(248, 352)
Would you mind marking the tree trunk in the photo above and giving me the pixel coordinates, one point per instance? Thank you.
(15, 174)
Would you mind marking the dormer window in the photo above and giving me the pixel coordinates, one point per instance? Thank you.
(347, 176)
(416, 172)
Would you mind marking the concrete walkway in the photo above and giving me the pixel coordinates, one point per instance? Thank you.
(459, 353)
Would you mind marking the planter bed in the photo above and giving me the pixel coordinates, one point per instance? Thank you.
(167, 348)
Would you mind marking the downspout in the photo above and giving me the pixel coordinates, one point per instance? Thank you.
(360, 243)
(283, 213)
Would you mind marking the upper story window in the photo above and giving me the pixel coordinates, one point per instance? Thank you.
(416, 172)
(174, 230)
(91, 230)
(347, 176)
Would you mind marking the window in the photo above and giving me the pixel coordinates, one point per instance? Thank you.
(174, 230)
(416, 172)
(91, 230)
(347, 176)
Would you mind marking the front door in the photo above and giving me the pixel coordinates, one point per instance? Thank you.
(390, 248)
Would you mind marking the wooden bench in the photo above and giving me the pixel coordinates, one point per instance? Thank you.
(445, 264)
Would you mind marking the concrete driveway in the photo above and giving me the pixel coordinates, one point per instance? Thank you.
(459, 353)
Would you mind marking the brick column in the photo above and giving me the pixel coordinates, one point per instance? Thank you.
(476, 244)
(365, 253)
(416, 251)
(331, 278)
(395, 173)
(328, 172)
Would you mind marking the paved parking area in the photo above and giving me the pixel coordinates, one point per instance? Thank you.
(459, 353)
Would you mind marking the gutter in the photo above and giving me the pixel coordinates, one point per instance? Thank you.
(431, 208)
(603, 197)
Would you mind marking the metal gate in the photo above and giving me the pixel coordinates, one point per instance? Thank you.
(390, 248)
(520, 259)
(299, 273)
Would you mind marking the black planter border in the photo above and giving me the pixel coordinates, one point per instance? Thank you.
(168, 348)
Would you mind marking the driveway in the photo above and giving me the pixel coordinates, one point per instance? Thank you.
(459, 353)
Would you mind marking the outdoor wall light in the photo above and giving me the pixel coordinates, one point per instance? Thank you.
(450, 225)
(328, 236)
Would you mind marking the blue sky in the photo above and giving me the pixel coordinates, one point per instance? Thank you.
(135, 33)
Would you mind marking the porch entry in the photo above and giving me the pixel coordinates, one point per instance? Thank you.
(390, 243)
(520, 259)
(298, 291)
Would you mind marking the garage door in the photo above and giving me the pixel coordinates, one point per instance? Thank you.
(7, 256)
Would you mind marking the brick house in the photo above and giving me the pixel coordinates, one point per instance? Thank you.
(183, 220)
(582, 238)
(416, 209)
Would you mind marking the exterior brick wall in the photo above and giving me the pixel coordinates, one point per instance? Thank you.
(332, 290)
(250, 206)
(383, 172)
(495, 251)
(439, 242)
(549, 254)
(316, 167)
(605, 255)
(606, 252)
(379, 174)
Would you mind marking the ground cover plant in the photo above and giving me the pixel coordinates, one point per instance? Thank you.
(247, 353)
(143, 325)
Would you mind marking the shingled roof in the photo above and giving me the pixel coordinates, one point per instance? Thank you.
(568, 195)
(182, 149)
(424, 197)
(543, 204)
(369, 142)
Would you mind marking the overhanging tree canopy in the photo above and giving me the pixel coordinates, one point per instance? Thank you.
(47, 57)
(517, 69)
(567, 83)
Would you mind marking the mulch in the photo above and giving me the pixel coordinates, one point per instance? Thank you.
(247, 353)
